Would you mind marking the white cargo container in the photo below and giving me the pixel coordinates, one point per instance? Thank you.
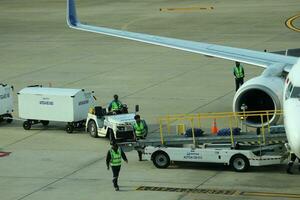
(6, 102)
(41, 105)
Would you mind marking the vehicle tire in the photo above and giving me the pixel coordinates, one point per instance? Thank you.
(9, 120)
(161, 159)
(27, 125)
(69, 128)
(92, 129)
(111, 135)
(45, 122)
(239, 163)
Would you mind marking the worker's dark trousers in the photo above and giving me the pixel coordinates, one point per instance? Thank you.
(140, 153)
(115, 171)
(291, 162)
(238, 82)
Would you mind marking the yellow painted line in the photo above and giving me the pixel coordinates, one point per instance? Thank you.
(187, 9)
(290, 23)
(270, 194)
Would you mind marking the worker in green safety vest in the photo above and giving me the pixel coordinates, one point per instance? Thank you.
(114, 159)
(238, 72)
(140, 130)
(115, 105)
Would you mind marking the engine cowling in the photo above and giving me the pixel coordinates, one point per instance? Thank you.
(259, 94)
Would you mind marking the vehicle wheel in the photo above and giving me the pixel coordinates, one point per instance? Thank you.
(161, 159)
(111, 135)
(92, 128)
(239, 163)
(9, 120)
(69, 128)
(27, 125)
(45, 122)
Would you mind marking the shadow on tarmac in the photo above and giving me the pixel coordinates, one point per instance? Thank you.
(221, 167)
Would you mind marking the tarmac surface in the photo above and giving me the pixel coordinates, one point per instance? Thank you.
(37, 47)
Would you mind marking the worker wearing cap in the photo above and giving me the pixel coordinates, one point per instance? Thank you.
(115, 106)
(113, 159)
(238, 72)
(140, 130)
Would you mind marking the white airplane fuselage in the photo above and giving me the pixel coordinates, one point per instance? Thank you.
(275, 64)
(291, 107)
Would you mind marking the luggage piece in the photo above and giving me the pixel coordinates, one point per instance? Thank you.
(197, 131)
(226, 131)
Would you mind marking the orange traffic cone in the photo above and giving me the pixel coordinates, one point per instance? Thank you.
(214, 129)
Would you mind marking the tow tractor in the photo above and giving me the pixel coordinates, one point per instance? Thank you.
(101, 123)
(239, 151)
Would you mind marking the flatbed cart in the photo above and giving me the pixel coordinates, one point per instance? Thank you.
(247, 150)
(239, 159)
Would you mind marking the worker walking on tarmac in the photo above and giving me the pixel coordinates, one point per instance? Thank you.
(238, 72)
(113, 159)
(115, 106)
(140, 130)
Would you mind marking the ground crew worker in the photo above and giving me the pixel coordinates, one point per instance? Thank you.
(238, 72)
(291, 162)
(115, 106)
(140, 130)
(114, 158)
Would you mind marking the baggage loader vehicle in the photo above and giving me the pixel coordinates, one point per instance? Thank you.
(239, 151)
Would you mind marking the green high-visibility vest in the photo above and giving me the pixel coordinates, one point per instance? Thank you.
(239, 72)
(139, 129)
(115, 157)
(116, 105)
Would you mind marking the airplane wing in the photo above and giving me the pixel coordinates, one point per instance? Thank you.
(257, 58)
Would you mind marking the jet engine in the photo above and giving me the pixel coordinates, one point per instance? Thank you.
(260, 94)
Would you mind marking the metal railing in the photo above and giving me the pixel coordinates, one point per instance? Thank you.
(229, 119)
